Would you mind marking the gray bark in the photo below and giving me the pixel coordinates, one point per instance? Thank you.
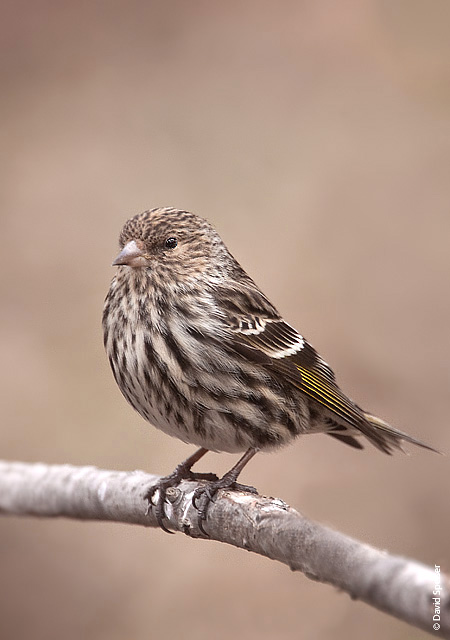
(399, 586)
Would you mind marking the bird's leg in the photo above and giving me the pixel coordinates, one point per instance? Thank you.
(206, 494)
(182, 472)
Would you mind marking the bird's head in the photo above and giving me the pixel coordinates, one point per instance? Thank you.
(174, 247)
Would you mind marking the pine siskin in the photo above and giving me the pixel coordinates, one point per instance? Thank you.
(203, 355)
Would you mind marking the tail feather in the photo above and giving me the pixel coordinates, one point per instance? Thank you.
(387, 438)
(346, 439)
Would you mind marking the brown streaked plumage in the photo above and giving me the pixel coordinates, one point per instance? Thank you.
(203, 355)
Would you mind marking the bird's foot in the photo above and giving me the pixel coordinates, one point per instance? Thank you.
(182, 472)
(204, 495)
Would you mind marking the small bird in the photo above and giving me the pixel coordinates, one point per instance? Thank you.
(200, 352)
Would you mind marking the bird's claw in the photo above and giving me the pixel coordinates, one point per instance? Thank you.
(204, 495)
(158, 506)
(165, 483)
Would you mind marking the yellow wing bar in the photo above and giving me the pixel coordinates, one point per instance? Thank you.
(330, 397)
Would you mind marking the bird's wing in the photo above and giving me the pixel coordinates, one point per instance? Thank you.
(298, 363)
(260, 333)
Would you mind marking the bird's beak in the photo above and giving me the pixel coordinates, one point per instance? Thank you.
(131, 255)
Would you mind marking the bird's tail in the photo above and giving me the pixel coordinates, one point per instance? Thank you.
(387, 438)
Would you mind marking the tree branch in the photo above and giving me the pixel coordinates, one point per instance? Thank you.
(267, 526)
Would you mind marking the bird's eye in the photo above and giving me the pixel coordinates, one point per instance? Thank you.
(171, 243)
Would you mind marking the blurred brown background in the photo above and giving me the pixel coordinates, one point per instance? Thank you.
(316, 138)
